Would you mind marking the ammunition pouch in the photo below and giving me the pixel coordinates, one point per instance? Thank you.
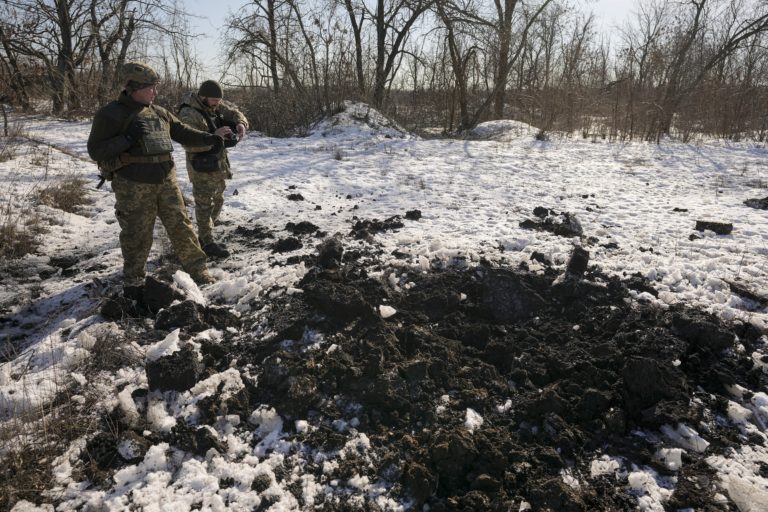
(206, 162)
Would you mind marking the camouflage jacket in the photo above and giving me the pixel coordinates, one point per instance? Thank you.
(107, 142)
(193, 112)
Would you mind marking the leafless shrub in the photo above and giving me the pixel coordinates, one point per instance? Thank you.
(9, 144)
(20, 227)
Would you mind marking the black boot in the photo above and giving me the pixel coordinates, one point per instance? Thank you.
(214, 250)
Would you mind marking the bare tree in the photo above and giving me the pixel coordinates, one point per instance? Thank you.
(393, 21)
(10, 56)
(353, 12)
(712, 32)
(113, 26)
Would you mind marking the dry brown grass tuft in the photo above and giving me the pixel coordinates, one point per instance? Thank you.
(67, 194)
(9, 145)
(20, 230)
(31, 441)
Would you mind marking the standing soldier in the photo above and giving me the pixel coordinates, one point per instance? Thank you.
(131, 141)
(208, 167)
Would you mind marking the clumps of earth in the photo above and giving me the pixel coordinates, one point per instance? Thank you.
(477, 387)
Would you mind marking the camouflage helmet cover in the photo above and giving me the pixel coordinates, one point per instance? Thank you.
(140, 73)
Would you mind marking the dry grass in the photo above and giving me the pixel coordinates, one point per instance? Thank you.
(31, 441)
(9, 145)
(67, 194)
(20, 227)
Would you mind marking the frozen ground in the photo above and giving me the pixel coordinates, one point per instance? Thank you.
(633, 207)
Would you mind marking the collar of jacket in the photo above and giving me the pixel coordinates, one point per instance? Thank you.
(129, 102)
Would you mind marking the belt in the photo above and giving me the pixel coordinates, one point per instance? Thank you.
(142, 159)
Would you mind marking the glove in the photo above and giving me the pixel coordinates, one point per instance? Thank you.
(216, 142)
(136, 130)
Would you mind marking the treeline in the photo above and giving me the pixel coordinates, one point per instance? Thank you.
(676, 67)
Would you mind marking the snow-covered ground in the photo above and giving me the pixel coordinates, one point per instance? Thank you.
(638, 205)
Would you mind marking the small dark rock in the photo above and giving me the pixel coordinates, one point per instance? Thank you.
(302, 228)
(413, 214)
(721, 228)
(760, 204)
(287, 245)
(178, 371)
(330, 253)
(159, 294)
(187, 314)
(578, 262)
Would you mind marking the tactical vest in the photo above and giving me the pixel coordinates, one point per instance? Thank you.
(154, 147)
(158, 140)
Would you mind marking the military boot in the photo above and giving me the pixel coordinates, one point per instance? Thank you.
(214, 250)
(202, 277)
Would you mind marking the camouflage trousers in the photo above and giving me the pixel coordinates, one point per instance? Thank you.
(208, 191)
(137, 205)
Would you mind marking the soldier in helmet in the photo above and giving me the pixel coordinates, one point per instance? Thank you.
(208, 167)
(131, 141)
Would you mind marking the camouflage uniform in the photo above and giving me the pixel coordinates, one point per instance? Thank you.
(145, 183)
(207, 187)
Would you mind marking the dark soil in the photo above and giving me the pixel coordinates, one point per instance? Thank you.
(579, 365)
(576, 363)
(760, 204)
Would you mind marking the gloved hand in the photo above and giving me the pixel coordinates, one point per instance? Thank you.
(136, 130)
(216, 142)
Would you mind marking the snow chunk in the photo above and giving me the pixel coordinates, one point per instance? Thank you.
(605, 465)
(472, 419)
(267, 421)
(189, 287)
(739, 475)
(671, 457)
(386, 311)
(686, 437)
(228, 383)
(737, 413)
(167, 346)
(652, 490)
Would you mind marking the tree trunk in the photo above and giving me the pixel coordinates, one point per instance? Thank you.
(356, 33)
(503, 65)
(273, 46)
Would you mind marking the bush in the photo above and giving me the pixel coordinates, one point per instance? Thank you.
(20, 229)
(21, 226)
(68, 194)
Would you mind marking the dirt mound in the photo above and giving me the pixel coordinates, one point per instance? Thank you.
(479, 387)
(465, 388)
(355, 118)
(501, 130)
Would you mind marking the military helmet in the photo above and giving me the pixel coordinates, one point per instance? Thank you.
(139, 73)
